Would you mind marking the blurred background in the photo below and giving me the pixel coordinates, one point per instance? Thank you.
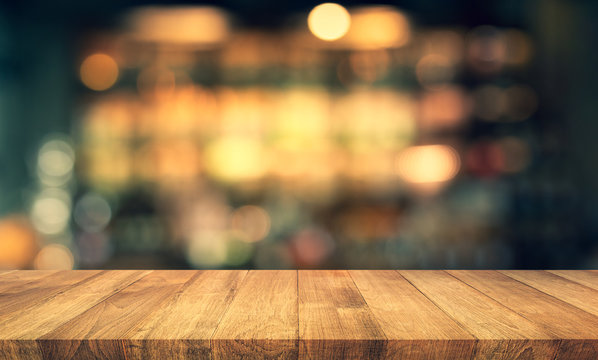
(267, 134)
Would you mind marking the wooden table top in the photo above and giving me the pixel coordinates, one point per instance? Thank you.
(340, 314)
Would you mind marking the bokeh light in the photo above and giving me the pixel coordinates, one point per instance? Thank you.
(376, 27)
(17, 243)
(51, 211)
(428, 164)
(54, 257)
(182, 25)
(92, 212)
(207, 249)
(311, 246)
(443, 108)
(234, 159)
(238, 252)
(329, 21)
(485, 158)
(447, 43)
(486, 49)
(244, 138)
(252, 221)
(99, 72)
(55, 162)
(519, 47)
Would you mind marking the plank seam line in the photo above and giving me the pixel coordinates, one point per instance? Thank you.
(571, 280)
(554, 336)
(166, 300)
(241, 282)
(565, 278)
(439, 307)
(96, 304)
(71, 286)
(545, 293)
(169, 300)
(368, 307)
(48, 297)
(558, 349)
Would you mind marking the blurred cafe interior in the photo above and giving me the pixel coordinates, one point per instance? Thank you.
(281, 135)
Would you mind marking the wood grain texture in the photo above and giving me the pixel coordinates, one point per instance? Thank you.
(584, 277)
(22, 278)
(568, 323)
(334, 319)
(501, 332)
(34, 323)
(112, 318)
(571, 292)
(415, 327)
(340, 314)
(185, 325)
(261, 321)
(23, 296)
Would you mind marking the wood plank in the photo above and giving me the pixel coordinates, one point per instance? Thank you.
(554, 316)
(334, 320)
(112, 318)
(23, 296)
(571, 292)
(20, 278)
(261, 321)
(45, 317)
(186, 324)
(584, 277)
(19, 333)
(415, 327)
(587, 349)
(502, 333)
(351, 314)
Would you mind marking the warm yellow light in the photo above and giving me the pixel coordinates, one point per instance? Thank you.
(235, 158)
(207, 249)
(375, 27)
(187, 25)
(428, 164)
(99, 72)
(443, 108)
(55, 162)
(17, 243)
(329, 21)
(50, 211)
(54, 257)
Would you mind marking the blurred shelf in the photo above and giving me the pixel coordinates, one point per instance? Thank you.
(349, 314)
